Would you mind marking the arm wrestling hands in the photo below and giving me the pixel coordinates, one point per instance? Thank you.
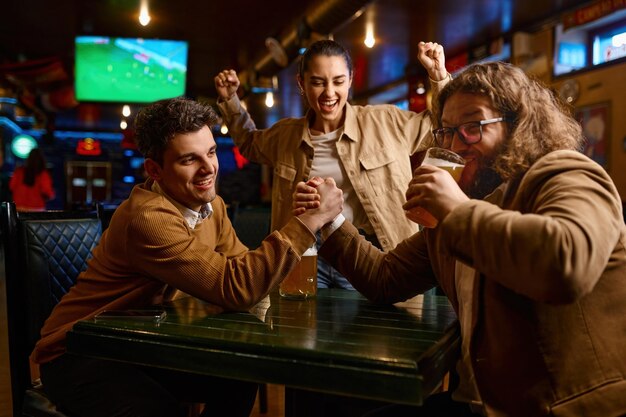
(317, 202)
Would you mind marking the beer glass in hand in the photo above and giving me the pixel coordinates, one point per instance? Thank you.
(444, 159)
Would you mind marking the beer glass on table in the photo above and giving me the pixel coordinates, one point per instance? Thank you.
(301, 283)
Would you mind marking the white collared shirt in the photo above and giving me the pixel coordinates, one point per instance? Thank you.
(192, 217)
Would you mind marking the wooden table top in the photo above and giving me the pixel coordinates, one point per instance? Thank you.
(336, 343)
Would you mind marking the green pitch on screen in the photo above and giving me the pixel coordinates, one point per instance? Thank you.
(129, 70)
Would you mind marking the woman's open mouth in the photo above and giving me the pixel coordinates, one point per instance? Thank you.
(328, 106)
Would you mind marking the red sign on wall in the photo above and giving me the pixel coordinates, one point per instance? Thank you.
(88, 146)
(592, 12)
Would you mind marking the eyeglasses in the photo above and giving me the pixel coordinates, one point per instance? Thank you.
(469, 133)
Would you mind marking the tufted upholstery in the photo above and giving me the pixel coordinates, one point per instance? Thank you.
(42, 256)
(54, 253)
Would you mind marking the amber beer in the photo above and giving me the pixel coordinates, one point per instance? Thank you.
(444, 159)
(301, 283)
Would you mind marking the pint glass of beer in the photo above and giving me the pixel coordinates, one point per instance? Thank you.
(444, 159)
(301, 283)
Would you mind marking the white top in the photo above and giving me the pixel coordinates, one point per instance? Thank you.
(326, 163)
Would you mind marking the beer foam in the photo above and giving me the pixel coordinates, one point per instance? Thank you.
(441, 163)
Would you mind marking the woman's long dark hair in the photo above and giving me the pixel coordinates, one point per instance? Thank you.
(35, 163)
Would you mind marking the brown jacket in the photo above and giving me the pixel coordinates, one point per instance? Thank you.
(149, 253)
(549, 319)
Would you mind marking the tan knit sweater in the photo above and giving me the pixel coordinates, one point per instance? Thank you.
(149, 254)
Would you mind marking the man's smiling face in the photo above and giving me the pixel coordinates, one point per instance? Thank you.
(188, 173)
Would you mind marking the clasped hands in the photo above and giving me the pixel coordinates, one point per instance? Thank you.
(317, 202)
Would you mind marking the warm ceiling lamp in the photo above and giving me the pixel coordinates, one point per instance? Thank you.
(144, 15)
(370, 40)
(126, 110)
(369, 35)
(269, 99)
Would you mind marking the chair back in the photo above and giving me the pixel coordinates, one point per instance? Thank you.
(42, 255)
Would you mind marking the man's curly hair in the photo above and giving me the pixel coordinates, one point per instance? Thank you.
(158, 123)
(538, 121)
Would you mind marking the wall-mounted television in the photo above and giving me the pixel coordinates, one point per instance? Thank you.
(129, 70)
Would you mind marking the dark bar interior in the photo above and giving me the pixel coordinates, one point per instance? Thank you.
(74, 74)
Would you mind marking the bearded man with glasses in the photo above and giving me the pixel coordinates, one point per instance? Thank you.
(530, 249)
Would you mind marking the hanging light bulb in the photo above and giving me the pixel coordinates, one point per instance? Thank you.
(370, 40)
(126, 110)
(269, 99)
(369, 35)
(224, 129)
(144, 15)
(123, 125)
(420, 88)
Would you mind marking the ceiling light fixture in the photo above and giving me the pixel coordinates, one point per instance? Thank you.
(144, 14)
(370, 40)
(277, 51)
(269, 99)
(126, 110)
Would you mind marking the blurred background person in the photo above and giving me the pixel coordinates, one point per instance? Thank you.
(365, 149)
(31, 184)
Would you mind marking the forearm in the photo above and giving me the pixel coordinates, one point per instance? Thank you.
(243, 130)
(438, 83)
(383, 277)
(231, 282)
(551, 253)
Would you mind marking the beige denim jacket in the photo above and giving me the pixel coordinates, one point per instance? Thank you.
(374, 149)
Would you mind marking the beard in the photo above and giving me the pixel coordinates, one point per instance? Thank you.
(486, 181)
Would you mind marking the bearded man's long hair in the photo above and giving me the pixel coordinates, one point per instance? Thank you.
(538, 121)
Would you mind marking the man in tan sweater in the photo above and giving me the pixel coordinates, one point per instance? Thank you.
(171, 235)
